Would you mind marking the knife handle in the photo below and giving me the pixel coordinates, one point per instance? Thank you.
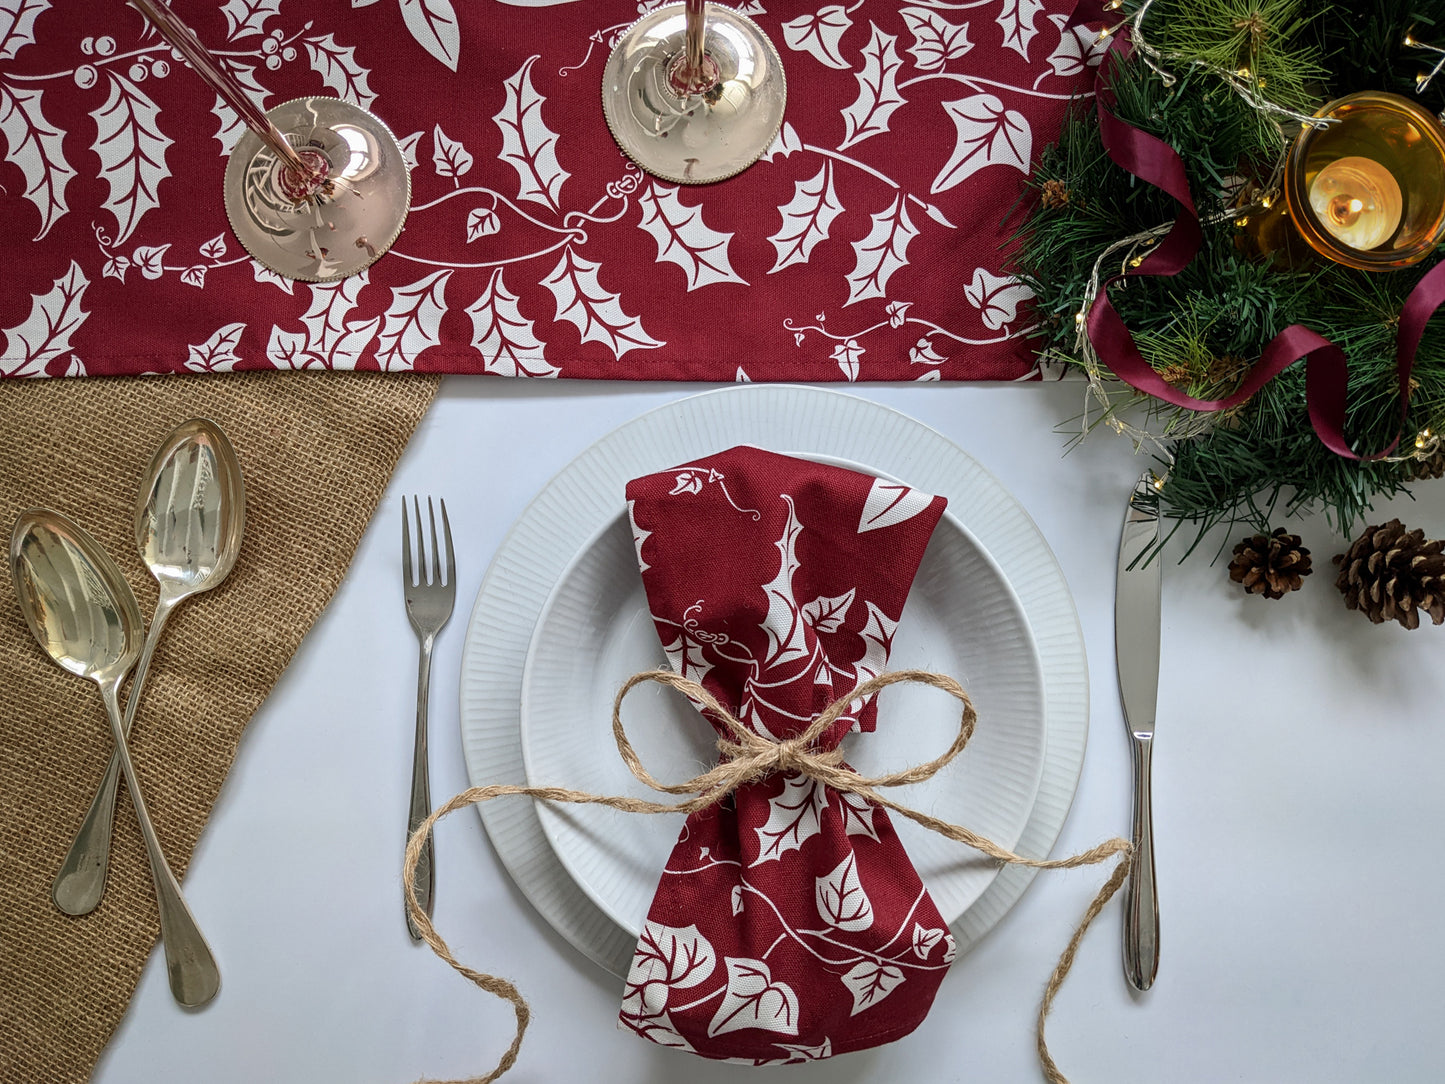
(1141, 898)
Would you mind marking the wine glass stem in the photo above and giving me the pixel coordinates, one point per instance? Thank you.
(185, 42)
(696, 12)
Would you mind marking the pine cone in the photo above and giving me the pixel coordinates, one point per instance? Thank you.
(1054, 194)
(1270, 565)
(1390, 574)
(1431, 466)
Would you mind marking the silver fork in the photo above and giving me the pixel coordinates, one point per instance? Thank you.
(429, 600)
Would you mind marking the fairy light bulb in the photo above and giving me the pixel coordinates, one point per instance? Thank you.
(1358, 201)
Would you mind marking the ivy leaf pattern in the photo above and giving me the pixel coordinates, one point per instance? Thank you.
(115, 267)
(923, 353)
(881, 253)
(878, 94)
(848, 354)
(195, 276)
(870, 982)
(287, 350)
(672, 957)
(1079, 48)
(754, 1000)
(997, 297)
(218, 353)
(528, 145)
(935, 40)
(433, 24)
(508, 345)
(924, 941)
(889, 503)
(132, 152)
(828, 614)
(215, 248)
(807, 217)
(1017, 22)
(413, 321)
(596, 312)
(794, 817)
(482, 222)
(337, 66)
(809, 1053)
(787, 636)
(450, 157)
(685, 653)
(265, 274)
(840, 898)
(857, 815)
(17, 26)
(877, 644)
(988, 135)
(247, 17)
(737, 899)
(820, 34)
(45, 334)
(149, 260)
(640, 535)
(684, 239)
(35, 145)
(408, 146)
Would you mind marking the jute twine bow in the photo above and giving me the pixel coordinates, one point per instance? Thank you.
(746, 758)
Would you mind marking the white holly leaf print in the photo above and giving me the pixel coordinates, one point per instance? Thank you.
(116, 267)
(857, 815)
(841, 901)
(870, 982)
(408, 146)
(878, 94)
(925, 940)
(787, 637)
(17, 26)
(450, 157)
(596, 311)
(684, 239)
(828, 614)
(413, 321)
(877, 643)
(482, 222)
(265, 274)
(794, 817)
(355, 340)
(75, 367)
(287, 350)
(247, 17)
(807, 218)
(148, 260)
(231, 124)
(881, 253)
(924, 354)
(45, 334)
(820, 34)
(897, 312)
(218, 353)
(504, 336)
(362, 3)
(671, 956)
(784, 143)
(1017, 22)
(889, 503)
(997, 297)
(737, 897)
(754, 1000)
(1079, 48)
(215, 248)
(331, 304)
(337, 66)
(810, 1053)
(847, 355)
(528, 145)
(195, 276)
(34, 144)
(935, 39)
(950, 948)
(132, 151)
(433, 24)
(988, 135)
(684, 654)
(639, 536)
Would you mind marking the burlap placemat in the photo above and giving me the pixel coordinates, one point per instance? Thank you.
(317, 451)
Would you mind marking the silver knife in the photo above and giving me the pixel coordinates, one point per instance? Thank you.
(1136, 652)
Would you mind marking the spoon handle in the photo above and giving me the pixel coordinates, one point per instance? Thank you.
(192, 970)
(80, 884)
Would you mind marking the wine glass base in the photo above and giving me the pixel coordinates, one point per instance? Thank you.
(701, 137)
(332, 229)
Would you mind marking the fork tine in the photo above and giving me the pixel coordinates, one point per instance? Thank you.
(421, 565)
(406, 575)
(451, 557)
(434, 570)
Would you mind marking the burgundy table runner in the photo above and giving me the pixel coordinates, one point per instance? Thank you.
(869, 244)
(789, 923)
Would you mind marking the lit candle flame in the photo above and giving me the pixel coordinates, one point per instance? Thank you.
(1358, 201)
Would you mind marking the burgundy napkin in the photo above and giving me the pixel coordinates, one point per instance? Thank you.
(789, 923)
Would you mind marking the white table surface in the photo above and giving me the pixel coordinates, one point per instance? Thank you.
(1298, 805)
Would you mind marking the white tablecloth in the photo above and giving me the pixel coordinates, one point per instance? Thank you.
(1298, 805)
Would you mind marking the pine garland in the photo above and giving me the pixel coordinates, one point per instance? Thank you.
(1204, 328)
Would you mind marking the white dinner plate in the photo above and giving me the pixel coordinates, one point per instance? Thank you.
(584, 497)
(595, 631)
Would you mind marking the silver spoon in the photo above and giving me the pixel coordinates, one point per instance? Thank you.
(189, 515)
(84, 615)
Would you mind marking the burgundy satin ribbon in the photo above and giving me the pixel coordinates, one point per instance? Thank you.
(1326, 368)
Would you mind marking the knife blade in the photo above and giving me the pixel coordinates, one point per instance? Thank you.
(1136, 652)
